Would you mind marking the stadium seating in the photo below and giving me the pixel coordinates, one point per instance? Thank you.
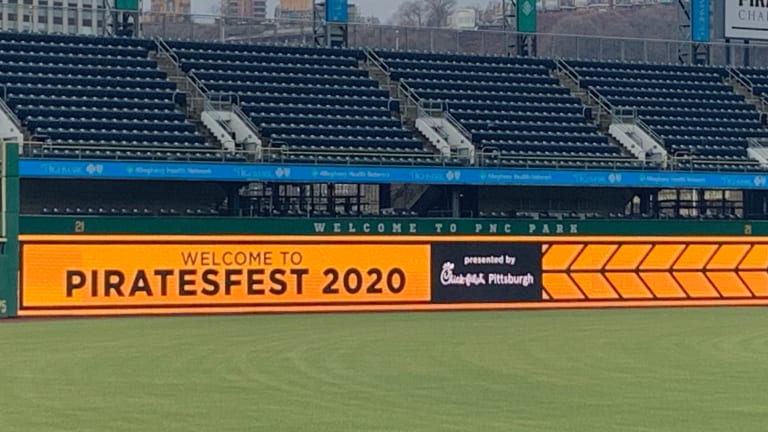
(313, 104)
(512, 106)
(103, 94)
(317, 105)
(691, 107)
(758, 77)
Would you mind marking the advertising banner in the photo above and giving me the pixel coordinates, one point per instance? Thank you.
(746, 19)
(178, 274)
(337, 11)
(141, 274)
(250, 172)
(700, 20)
(485, 272)
(526, 16)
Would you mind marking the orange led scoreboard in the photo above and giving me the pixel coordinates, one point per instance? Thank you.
(139, 274)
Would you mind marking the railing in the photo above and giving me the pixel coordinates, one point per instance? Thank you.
(603, 105)
(756, 143)
(678, 163)
(37, 150)
(647, 129)
(494, 158)
(345, 157)
(244, 117)
(199, 89)
(739, 77)
(457, 124)
(410, 94)
(376, 59)
(197, 83)
(163, 48)
(736, 75)
(231, 103)
(567, 69)
(207, 27)
(41, 150)
(8, 111)
(662, 49)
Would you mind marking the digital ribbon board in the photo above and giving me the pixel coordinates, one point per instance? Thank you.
(138, 274)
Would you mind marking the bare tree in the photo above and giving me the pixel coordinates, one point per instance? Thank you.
(411, 13)
(214, 8)
(438, 12)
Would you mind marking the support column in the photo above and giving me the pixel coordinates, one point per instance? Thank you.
(455, 202)
(275, 198)
(385, 196)
(233, 201)
(331, 199)
(9, 257)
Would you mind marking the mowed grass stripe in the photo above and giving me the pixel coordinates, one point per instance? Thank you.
(597, 370)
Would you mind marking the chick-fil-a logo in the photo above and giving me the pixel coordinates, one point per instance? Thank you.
(447, 277)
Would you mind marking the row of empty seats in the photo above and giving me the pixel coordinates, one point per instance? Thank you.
(308, 101)
(108, 97)
(124, 211)
(102, 93)
(513, 107)
(691, 108)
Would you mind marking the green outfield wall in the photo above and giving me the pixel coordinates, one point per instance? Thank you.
(383, 226)
(88, 266)
(9, 257)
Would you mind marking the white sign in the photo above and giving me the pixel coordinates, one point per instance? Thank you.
(746, 19)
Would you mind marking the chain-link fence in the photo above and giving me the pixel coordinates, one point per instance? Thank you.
(93, 20)
(494, 42)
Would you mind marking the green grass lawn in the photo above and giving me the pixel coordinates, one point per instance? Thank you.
(615, 370)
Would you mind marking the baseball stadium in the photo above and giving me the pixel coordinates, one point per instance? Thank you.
(347, 226)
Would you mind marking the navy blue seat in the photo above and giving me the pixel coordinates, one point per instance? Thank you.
(99, 97)
(310, 104)
(513, 108)
(691, 108)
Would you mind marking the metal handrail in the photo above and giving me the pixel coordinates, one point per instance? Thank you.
(162, 46)
(647, 129)
(197, 83)
(755, 143)
(618, 115)
(603, 103)
(8, 111)
(638, 164)
(742, 79)
(376, 59)
(410, 93)
(190, 77)
(30, 146)
(568, 70)
(457, 124)
(245, 118)
(739, 77)
(271, 154)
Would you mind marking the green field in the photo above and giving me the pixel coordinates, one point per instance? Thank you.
(614, 370)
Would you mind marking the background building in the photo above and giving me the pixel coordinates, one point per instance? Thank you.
(244, 8)
(301, 10)
(294, 10)
(53, 16)
(171, 9)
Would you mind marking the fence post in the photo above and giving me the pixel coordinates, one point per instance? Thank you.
(431, 40)
(645, 50)
(458, 42)
(578, 48)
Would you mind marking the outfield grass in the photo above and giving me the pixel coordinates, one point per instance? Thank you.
(615, 370)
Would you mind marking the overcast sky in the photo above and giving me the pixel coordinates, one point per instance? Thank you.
(380, 8)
